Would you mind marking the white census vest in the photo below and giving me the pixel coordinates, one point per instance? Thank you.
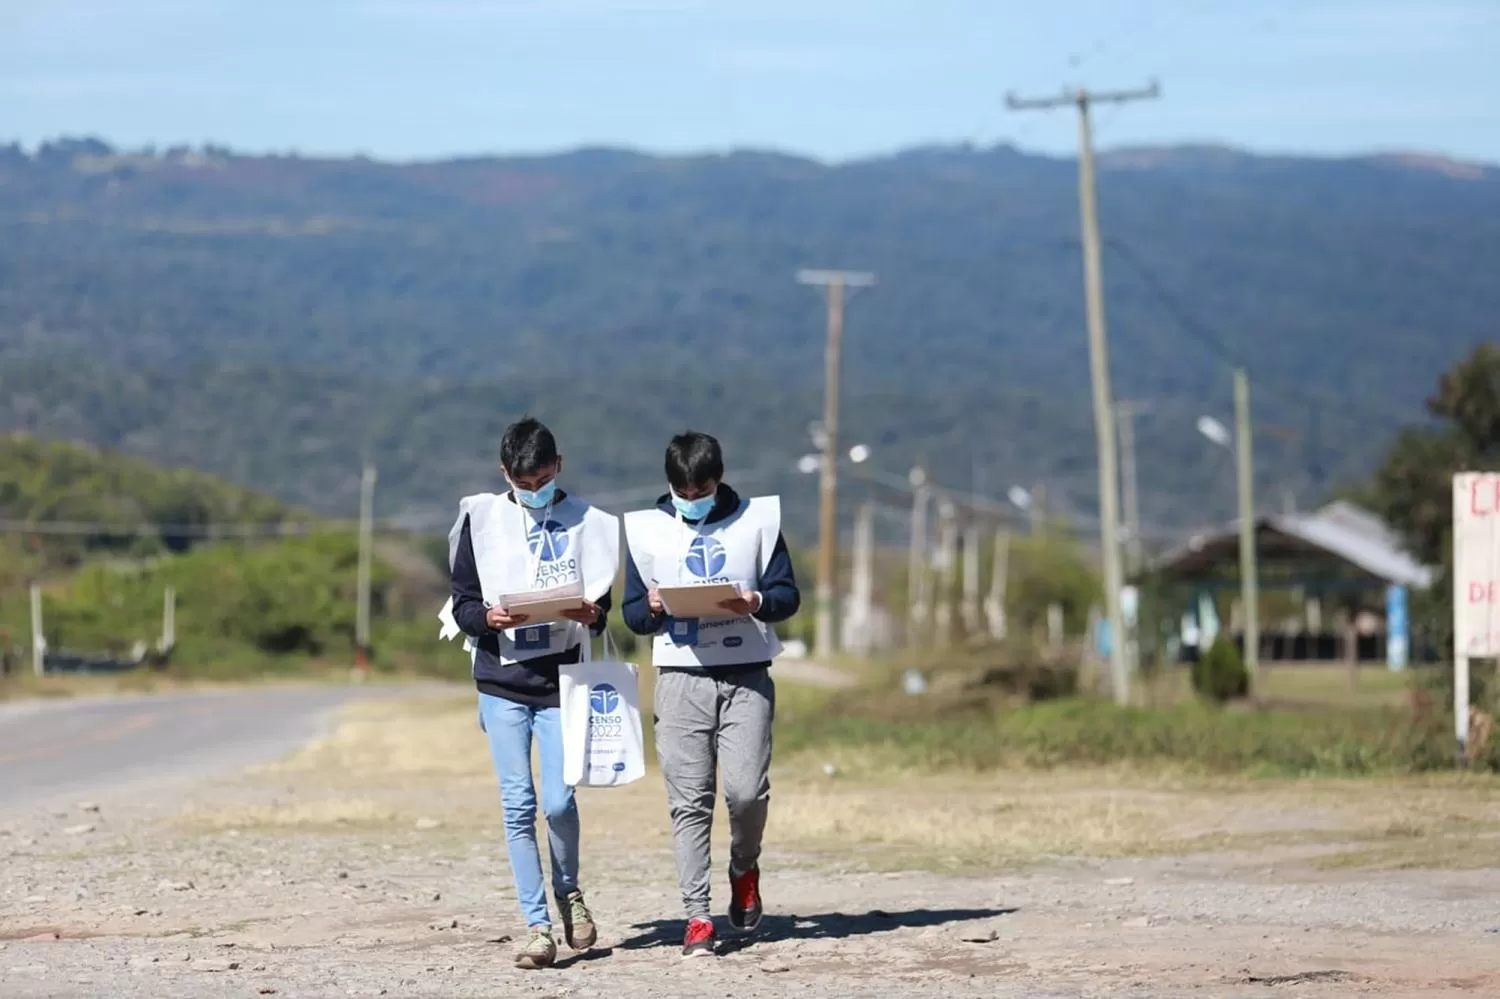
(736, 550)
(518, 549)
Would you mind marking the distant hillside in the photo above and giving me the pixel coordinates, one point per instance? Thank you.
(87, 501)
(272, 319)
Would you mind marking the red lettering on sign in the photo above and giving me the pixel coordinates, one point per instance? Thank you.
(1484, 502)
(1484, 593)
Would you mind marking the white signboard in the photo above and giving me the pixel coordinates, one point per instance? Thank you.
(1476, 585)
(1476, 564)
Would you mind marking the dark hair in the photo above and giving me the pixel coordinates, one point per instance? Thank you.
(527, 448)
(694, 459)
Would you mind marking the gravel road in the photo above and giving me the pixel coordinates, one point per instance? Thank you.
(265, 883)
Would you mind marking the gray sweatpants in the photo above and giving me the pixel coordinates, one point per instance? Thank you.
(702, 719)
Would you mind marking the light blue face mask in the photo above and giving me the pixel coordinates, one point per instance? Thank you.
(536, 498)
(695, 509)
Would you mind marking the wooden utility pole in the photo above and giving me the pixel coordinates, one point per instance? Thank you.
(366, 544)
(1126, 412)
(1104, 432)
(826, 594)
(1245, 480)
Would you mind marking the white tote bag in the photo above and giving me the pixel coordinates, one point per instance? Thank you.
(603, 745)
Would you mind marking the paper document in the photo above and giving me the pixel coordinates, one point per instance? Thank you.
(698, 601)
(544, 606)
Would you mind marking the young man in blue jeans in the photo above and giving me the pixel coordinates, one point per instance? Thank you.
(530, 538)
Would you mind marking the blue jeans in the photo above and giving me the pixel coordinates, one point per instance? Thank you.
(509, 727)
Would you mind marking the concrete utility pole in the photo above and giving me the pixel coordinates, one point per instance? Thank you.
(916, 567)
(1104, 432)
(38, 643)
(1245, 480)
(946, 571)
(366, 544)
(860, 637)
(970, 607)
(837, 282)
(168, 620)
(1126, 412)
(994, 603)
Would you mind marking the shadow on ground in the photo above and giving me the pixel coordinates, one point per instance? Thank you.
(827, 926)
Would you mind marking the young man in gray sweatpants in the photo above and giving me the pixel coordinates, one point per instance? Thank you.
(715, 699)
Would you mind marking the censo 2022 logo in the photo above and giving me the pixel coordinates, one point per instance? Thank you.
(604, 699)
(706, 557)
(606, 720)
(548, 541)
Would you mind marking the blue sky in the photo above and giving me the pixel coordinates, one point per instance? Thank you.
(831, 78)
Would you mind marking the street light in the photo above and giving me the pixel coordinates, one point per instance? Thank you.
(810, 463)
(1216, 432)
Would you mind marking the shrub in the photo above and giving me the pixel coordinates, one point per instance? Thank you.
(1219, 675)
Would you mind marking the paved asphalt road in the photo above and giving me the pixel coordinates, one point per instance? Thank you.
(65, 749)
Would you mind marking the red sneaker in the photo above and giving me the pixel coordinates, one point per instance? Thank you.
(699, 941)
(744, 900)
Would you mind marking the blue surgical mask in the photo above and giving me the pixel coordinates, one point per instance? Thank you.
(695, 509)
(536, 498)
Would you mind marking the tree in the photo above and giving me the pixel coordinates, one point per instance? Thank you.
(1413, 488)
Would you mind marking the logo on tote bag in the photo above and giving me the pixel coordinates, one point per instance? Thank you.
(604, 699)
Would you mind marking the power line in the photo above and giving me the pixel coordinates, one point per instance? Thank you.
(1211, 340)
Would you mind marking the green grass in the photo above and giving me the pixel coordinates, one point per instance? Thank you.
(971, 733)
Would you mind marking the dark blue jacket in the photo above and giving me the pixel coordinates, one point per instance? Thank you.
(779, 595)
(531, 682)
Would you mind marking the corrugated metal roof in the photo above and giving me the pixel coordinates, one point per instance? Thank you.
(1342, 529)
(1358, 537)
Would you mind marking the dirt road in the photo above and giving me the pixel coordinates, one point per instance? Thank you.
(372, 864)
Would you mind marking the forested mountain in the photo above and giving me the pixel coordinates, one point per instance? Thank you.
(272, 319)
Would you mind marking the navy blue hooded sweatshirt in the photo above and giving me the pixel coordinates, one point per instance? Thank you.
(779, 596)
(532, 682)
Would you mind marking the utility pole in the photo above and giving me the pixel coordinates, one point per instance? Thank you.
(1126, 412)
(969, 609)
(946, 571)
(837, 282)
(168, 620)
(366, 544)
(1104, 432)
(1245, 479)
(916, 567)
(994, 604)
(862, 587)
(38, 643)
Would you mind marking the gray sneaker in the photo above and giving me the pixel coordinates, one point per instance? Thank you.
(540, 951)
(578, 922)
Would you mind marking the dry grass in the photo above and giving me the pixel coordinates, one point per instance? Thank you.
(904, 817)
(383, 739)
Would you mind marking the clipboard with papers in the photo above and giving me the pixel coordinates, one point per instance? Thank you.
(544, 606)
(698, 601)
